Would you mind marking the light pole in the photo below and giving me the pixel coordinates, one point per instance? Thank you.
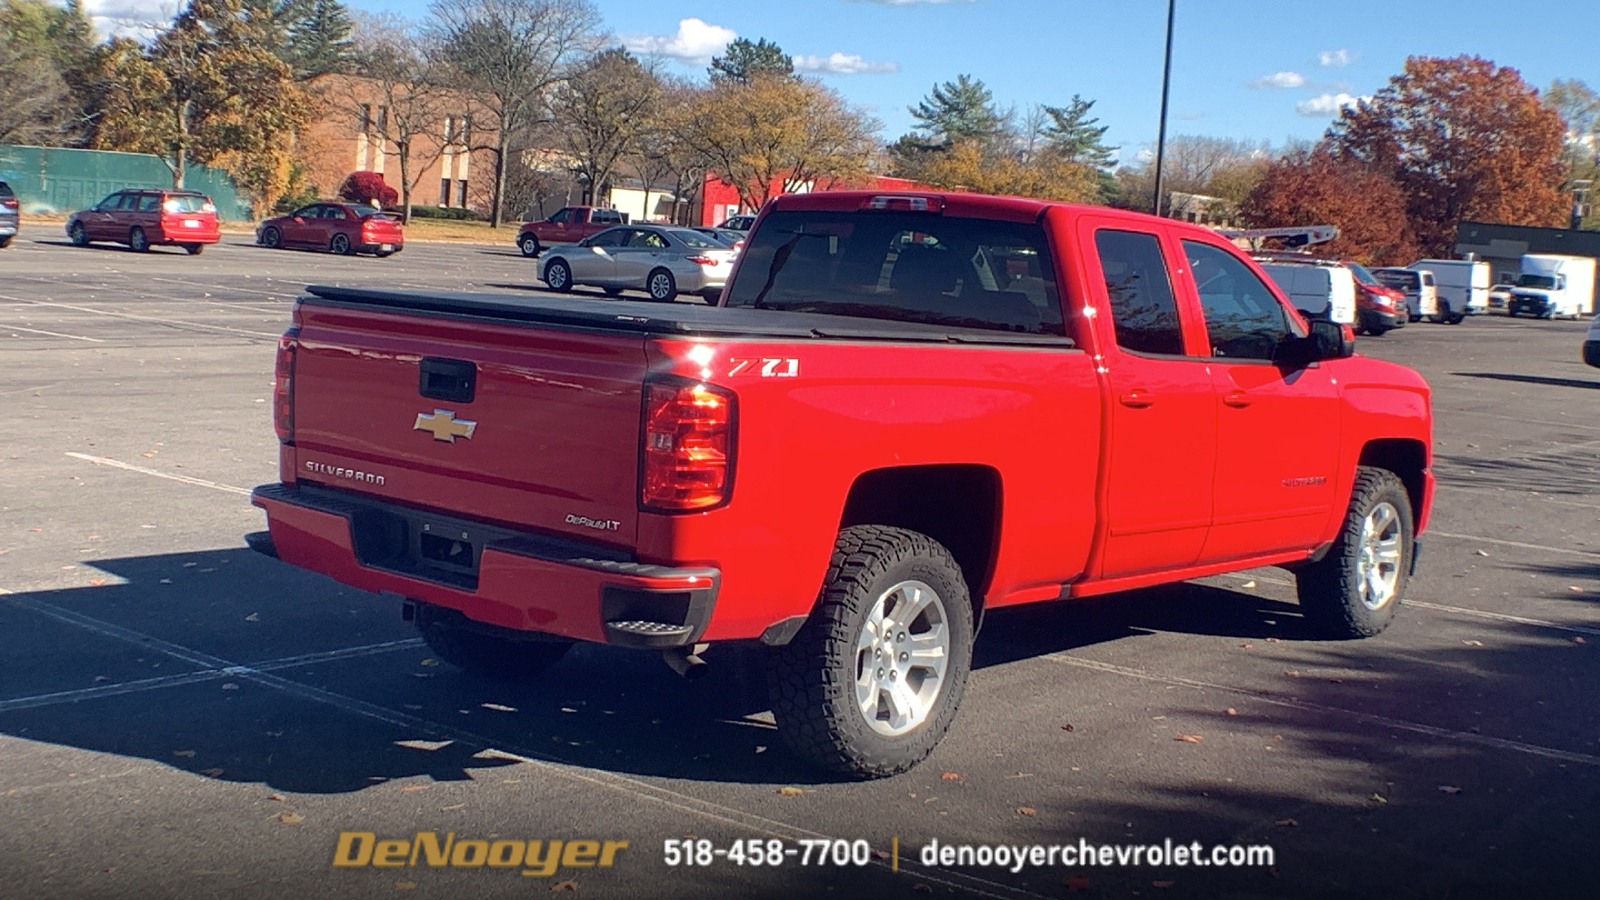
(1161, 134)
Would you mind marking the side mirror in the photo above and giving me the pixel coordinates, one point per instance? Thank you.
(1326, 340)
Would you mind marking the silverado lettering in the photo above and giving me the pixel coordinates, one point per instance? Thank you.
(1003, 401)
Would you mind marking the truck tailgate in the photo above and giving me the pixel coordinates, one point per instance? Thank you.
(524, 426)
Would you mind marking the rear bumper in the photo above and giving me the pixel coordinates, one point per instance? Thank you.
(394, 246)
(1373, 317)
(522, 581)
(187, 236)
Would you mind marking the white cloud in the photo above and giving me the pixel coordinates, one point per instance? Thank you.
(695, 42)
(842, 64)
(1335, 58)
(1279, 80)
(1327, 104)
(140, 19)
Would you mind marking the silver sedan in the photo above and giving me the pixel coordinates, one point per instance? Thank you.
(661, 260)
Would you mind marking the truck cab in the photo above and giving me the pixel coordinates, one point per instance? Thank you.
(1552, 285)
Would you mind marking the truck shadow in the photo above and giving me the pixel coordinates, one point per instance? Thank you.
(233, 666)
(1532, 379)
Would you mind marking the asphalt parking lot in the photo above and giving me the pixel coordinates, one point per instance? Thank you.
(180, 717)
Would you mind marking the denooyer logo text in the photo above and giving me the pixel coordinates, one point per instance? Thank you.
(537, 859)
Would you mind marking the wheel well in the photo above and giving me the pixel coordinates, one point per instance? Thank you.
(956, 505)
(1404, 457)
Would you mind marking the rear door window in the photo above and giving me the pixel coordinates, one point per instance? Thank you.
(910, 267)
(1144, 313)
(149, 203)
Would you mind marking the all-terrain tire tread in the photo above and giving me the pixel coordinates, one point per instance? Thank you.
(1326, 586)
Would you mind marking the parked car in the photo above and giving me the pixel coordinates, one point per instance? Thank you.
(1319, 288)
(663, 261)
(567, 225)
(1500, 295)
(337, 227)
(1418, 285)
(1379, 308)
(145, 218)
(1591, 343)
(732, 238)
(9, 209)
(741, 222)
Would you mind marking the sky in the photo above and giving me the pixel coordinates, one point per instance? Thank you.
(1259, 71)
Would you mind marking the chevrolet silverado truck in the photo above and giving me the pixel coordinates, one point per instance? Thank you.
(566, 225)
(906, 411)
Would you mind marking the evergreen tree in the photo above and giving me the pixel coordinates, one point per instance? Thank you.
(960, 110)
(319, 41)
(744, 61)
(1075, 137)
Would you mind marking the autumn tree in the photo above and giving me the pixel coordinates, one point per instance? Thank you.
(744, 61)
(509, 55)
(1463, 139)
(1579, 108)
(1227, 168)
(1315, 186)
(601, 112)
(667, 151)
(206, 90)
(774, 131)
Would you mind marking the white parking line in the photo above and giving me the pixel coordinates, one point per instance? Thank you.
(1445, 734)
(154, 320)
(76, 337)
(1543, 548)
(1501, 617)
(199, 482)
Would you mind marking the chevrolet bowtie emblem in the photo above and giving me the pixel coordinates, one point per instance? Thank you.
(444, 426)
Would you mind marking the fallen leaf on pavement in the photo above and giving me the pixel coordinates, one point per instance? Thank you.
(1286, 823)
(1077, 883)
(1162, 884)
(96, 582)
(1247, 645)
(1449, 789)
(1232, 711)
(405, 885)
(430, 662)
(1027, 811)
(212, 773)
(1574, 588)
(498, 707)
(108, 869)
(1378, 798)
(1473, 643)
(951, 776)
(1293, 673)
(1067, 727)
(1190, 738)
(291, 818)
(275, 797)
(1248, 584)
(230, 686)
(790, 791)
(564, 886)
(1273, 640)
(1481, 552)
(253, 617)
(880, 854)
(1579, 640)
(413, 788)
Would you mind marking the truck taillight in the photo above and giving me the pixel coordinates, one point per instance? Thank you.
(687, 446)
(283, 385)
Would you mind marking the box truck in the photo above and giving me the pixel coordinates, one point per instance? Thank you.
(1462, 286)
(1553, 285)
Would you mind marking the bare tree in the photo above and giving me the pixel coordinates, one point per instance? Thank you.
(601, 111)
(666, 151)
(33, 97)
(508, 55)
(399, 79)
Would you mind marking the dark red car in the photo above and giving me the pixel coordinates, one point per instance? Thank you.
(144, 218)
(336, 227)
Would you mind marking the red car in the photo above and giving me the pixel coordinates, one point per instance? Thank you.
(144, 218)
(343, 228)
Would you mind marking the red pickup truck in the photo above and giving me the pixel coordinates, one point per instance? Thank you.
(568, 225)
(906, 411)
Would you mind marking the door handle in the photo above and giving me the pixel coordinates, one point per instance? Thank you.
(1137, 398)
(1236, 399)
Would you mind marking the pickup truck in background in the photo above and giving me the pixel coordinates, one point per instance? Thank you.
(567, 225)
(907, 410)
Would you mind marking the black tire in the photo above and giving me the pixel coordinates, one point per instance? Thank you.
(1511, 311)
(194, 249)
(1456, 319)
(558, 275)
(661, 286)
(77, 235)
(814, 677)
(612, 291)
(712, 298)
(476, 649)
(137, 242)
(385, 254)
(1378, 330)
(271, 237)
(340, 244)
(529, 245)
(1331, 589)
(6, 241)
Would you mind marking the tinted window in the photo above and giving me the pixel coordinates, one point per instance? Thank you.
(961, 272)
(560, 216)
(696, 240)
(332, 212)
(305, 212)
(129, 201)
(5, 190)
(1361, 273)
(606, 217)
(1243, 319)
(109, 203)
(648, 240)
(1405, 281)
(361, 210)
(1143, 311)
(150, 203)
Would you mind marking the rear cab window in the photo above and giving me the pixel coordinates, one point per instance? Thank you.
(1144, 312)
(909, 267)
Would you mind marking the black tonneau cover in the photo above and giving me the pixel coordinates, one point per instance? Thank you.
(669, 319)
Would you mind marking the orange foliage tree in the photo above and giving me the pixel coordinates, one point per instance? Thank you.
(1318, 187)
(1463, 139)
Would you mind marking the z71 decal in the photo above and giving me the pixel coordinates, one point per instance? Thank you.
(766, 367)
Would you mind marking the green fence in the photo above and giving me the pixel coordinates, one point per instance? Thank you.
(54, 180)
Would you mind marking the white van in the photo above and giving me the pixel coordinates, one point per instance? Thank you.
(1463, 287)
(1421, 290)
(1321, 290)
